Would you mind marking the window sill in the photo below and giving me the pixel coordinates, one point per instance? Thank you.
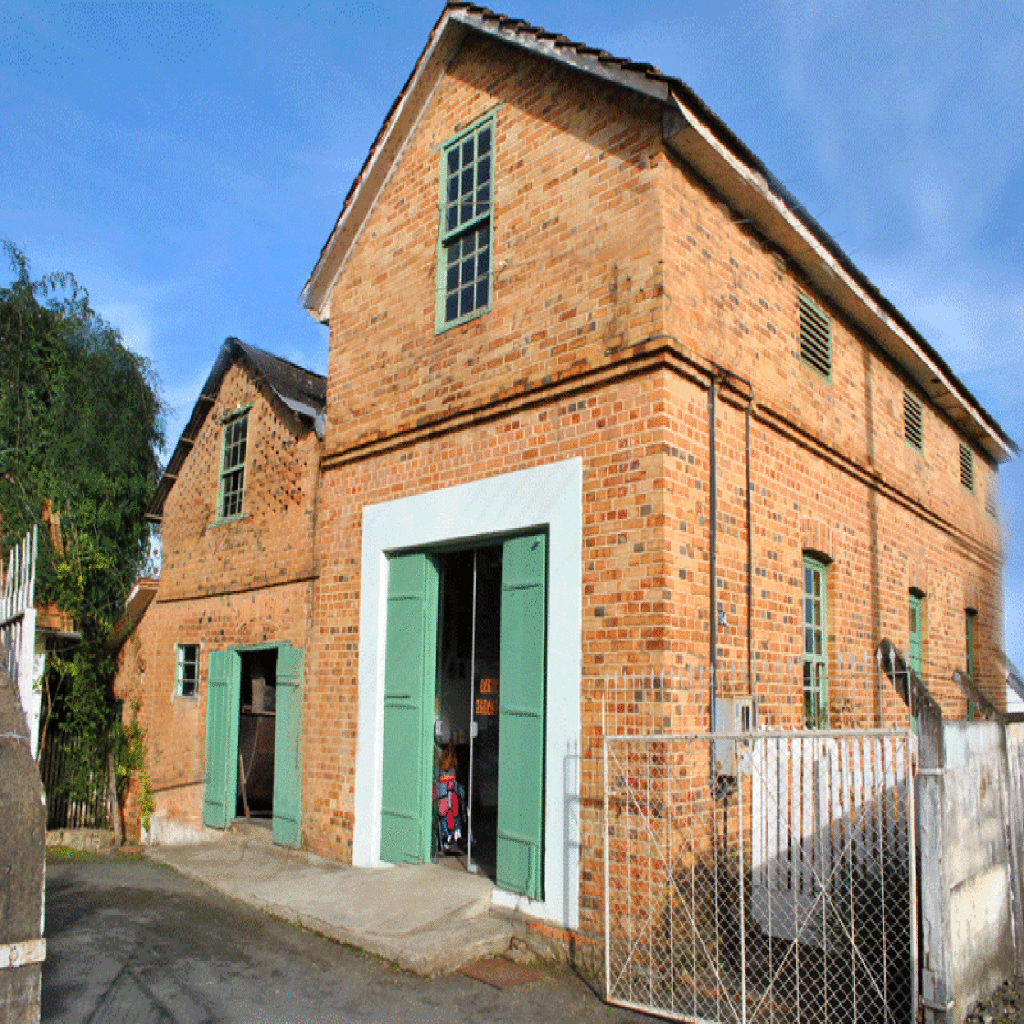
(441, 327)
(227, 520)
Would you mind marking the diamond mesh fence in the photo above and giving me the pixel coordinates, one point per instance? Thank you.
(781, 891)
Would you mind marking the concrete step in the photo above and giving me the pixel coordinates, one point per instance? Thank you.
(253, 830)
(428, 919)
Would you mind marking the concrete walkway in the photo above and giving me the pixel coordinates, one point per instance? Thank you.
(427, 918)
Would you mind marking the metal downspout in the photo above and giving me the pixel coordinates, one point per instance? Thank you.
(750, 568)
(713, 512)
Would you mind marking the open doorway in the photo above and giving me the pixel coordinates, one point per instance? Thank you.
(465, 664)
(257, 714)
(467, 689)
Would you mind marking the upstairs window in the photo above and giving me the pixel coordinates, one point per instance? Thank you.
(966, 468)
(815, 659)
(815, 337)
(464, 239)
(232, 466)
(913, 422)
(187, 675)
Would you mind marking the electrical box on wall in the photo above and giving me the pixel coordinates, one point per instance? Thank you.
(734, 715)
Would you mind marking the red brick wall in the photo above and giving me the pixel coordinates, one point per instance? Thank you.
(230, 584)
(830, 468)
(575, 238)
(273, 540)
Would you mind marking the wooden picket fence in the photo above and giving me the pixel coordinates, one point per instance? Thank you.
(91, 809)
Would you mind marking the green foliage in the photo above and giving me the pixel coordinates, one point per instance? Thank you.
(80, 428)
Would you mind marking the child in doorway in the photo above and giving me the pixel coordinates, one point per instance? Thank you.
(449, 798)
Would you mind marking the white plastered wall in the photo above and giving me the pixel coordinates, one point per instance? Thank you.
(547, 496)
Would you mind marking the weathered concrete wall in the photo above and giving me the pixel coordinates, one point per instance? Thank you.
(977, 861)
(23, 862)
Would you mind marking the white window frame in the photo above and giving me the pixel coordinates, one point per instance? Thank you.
(180, 663)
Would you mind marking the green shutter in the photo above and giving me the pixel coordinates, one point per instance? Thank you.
(221, 739)
(288, 748)
(410, 672)
(521, 710)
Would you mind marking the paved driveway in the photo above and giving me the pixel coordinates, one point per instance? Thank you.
(132, 941)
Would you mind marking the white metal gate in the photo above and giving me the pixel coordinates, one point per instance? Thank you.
(783, 892)
(18, 628)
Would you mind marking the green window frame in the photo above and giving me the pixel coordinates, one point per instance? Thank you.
(915, 629)
(815, 654)
(231, 487)
(465, 230)
(815, 337)
(186, 675)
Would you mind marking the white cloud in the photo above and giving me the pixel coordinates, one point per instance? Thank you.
(135, 324)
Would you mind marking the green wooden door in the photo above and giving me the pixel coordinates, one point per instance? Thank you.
(288, 748)
(410, 671)
(221, 738)
(914, 641)
(521, 711)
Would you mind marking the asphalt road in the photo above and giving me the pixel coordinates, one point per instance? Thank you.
(132, 941)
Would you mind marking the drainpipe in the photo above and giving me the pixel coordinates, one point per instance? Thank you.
(713, 512)
(750, 566)
(716, 790)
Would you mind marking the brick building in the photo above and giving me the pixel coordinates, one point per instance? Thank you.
(230, 622)
(600, 396)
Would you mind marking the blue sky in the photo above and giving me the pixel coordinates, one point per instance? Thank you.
(187, 161)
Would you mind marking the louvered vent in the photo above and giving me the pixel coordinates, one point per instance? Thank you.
(913, 426)
(990, 501)
(966, 467)
(815, 337)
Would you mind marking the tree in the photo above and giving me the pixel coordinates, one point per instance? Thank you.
(81, 424)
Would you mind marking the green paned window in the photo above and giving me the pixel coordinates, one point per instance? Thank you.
(966, 467)
(232, 467)
(969, 618)
(815, 337)
(913, 425)
(914, 631)
(465, 230)
(187, 673)
(815, 656)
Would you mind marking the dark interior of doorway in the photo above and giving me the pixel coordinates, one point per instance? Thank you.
(468, 686)
(257, 704)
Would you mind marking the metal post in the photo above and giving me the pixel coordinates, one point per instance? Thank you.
(470, 866)
(607, 910)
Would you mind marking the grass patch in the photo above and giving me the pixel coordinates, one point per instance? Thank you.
(69, 855)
